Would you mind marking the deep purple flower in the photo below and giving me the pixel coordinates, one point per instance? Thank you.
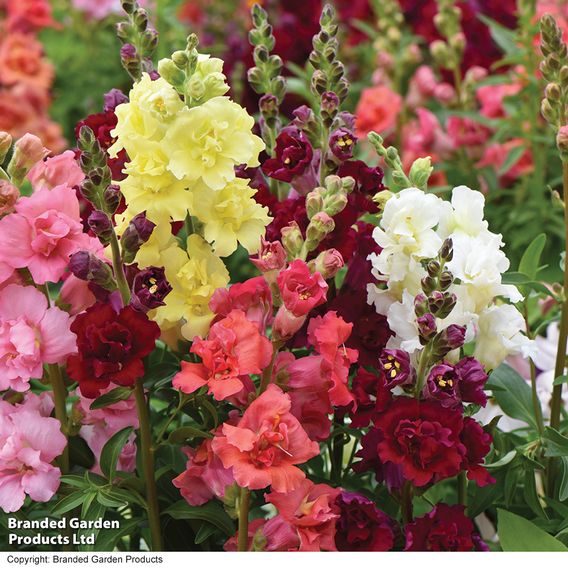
(114, 98)
(395, 364)
(341, 143)
(101, 226)
(361, 526)
(444, 528)
(86, 266)
(294, 154)
(472, 380)
(135, 235)
(149, 288)
(426, 326)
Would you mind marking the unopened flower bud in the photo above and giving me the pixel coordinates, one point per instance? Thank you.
(447, 306)
(320, 226)
(286, 324)
(552, 92)
(112, 197)
(428, 284)
(433, 267)
(420, 172)
(149, 288)
(435, 301)
(328, 263)
(8, 196)
(426, 327)
(5, 145)
(314, 202)
(329, 105)
(292, 239)
(334, 204)
(140, 19)
(101, 225)
(135, 235)
(447, 250)
(445, 280)
(86, 266)
(271, 256)
(420, 304)
(447, 340)
(439, 51)
(268, 105)
(171, 72)
(381, 198)
(562, 142)
(28, 151)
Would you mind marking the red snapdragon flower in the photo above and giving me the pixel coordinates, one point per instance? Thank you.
(445, 528)
(301, 290)
(233, 350)
(111, 347)
(266, 445)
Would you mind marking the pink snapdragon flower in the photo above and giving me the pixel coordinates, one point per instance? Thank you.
(29, 442)
(43, 233)
(266, 445)
(31, 334)
(99, 425)
(233, 350)
(306, 518)
(58, 170)
(205, 476)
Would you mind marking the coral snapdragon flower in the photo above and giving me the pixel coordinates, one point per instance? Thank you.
(266, 445)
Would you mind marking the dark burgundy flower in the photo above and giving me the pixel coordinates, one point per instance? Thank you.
(477, 443)
(101, 124)
(370, 330)
(367, 180)
(444, 529)
(423, 438)
(372, 396)
(453, 384)
(361, 526)
(388, 473)
(341, 143)
(87, 266)
(149, 288)
(395, 364)
(294, 154)
(110, 347)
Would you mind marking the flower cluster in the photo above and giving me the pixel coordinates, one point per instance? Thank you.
(26, 76)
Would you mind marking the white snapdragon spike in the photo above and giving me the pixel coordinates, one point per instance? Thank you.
(413, 227)
(407, 235)
(500, 334)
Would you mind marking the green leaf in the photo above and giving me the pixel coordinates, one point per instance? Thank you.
(204, 532)
(503, 37)
(563, 491)
(107, 540)
(68, 503)
(211, 512)
(556, 443)
(512, 158)
(530, 260)
(560, 380)
(514, 394)
(75, 481)
(520, 535)
(111, 452)
(531, 495)
(184, 433)
(505, 460)
(108, 501)
(112, 397)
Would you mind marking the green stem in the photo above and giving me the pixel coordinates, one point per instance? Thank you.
(406, 502)
(148, 466)
(421, 372)
(170, 419)
(60, 401)
(561, 353)
(337, 454)
(119, 270)
(244, 504)
(537, 409)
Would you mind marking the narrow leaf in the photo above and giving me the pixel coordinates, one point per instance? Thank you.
(111, 452)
